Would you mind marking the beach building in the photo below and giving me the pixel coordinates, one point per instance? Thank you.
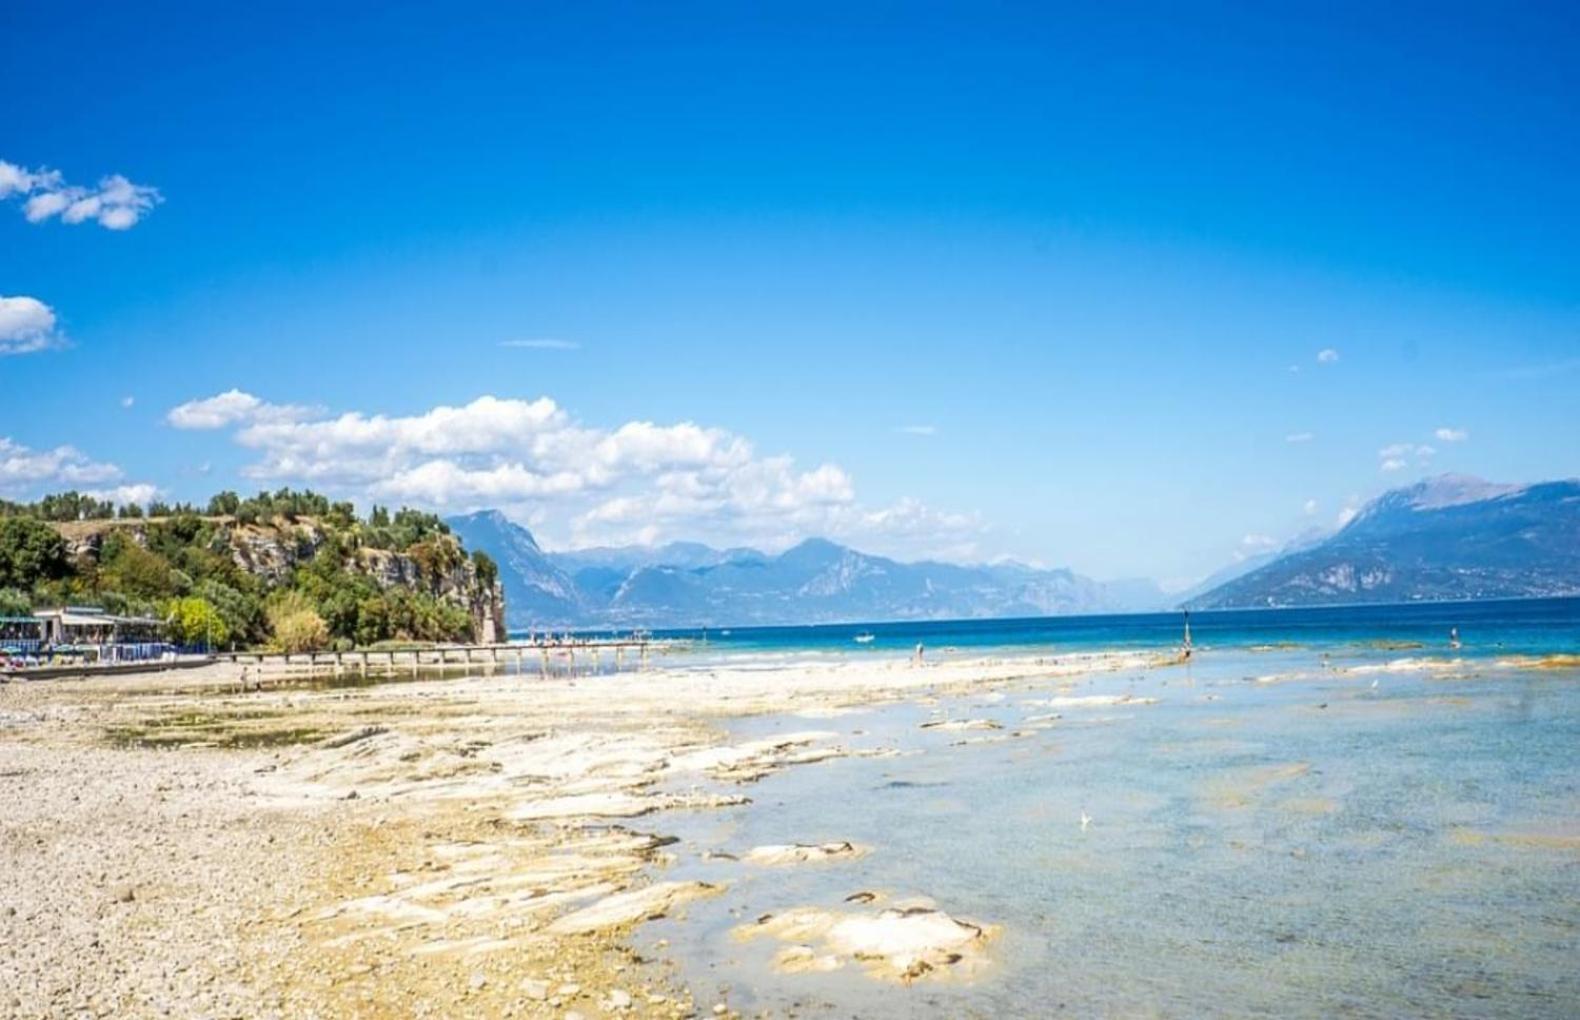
(90, 625)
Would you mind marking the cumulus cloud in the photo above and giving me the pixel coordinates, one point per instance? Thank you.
(115, 203)
(27, 325)
(1327, 356)
(1451, 435)
(544, 344)
(233, 407)
(640, 481)
(141, 493)
(23, 469)
(1300, 437)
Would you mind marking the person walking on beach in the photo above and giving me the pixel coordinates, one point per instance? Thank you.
(916, 659)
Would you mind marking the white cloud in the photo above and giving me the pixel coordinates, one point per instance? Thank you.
(1451, 435)
(141, 493)
(581, 485)
(128, 401)
(233, 407)
(27, 325)
(547, 344)
(1299, 437)
(1310, 507)
(1397, 456)
(916, 430)
(1327, 356)
(26, 469)
(115, 203)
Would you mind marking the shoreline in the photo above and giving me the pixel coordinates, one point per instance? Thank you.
(373, 850)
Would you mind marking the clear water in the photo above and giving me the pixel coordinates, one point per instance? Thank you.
(1309, 845)
(1510, 626)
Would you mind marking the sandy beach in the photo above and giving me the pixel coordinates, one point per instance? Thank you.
(481, 846)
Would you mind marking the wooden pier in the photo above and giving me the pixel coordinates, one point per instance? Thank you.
(576, 658)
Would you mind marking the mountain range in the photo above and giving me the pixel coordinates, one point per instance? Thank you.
(1450, 537)
(687, 584)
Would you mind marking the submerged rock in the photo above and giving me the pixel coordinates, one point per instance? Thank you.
(903, 943)
(962, 724)
(803, 853)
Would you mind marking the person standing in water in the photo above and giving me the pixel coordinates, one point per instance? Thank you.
(1453, 638)
(1185, 649)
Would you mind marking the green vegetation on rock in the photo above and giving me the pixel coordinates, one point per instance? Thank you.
(289, 569)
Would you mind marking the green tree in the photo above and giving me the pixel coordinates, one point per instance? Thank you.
(14, 602)
(195, 621)
(30, 552)
(296, 625)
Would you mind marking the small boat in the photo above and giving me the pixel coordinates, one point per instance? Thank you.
(864, 638)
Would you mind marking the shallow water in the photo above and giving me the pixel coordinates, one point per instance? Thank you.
(1487, 627)
(1274, 836)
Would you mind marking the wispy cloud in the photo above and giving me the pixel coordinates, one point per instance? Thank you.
(543, 344)
(1452, 435)
(1254, 545)
(27, 325)
(1543, 371)
(128, 401)
(1300, 437)
(917, 430)
(115, 203)
(1310, 507)
(1397, 456)
(1327, 356)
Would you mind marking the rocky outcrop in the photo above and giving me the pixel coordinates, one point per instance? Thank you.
(272, 551)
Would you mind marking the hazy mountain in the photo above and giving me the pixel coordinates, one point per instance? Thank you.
(536, 589)
(1450, 537)
(688, 584)
(1305, 540)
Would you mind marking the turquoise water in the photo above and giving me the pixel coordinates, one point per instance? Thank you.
(1516, 625)
(1288, 831)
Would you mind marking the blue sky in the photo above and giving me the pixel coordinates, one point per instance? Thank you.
(1028, 281)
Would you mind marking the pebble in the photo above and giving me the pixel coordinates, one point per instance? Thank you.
(532, 988)
(619, 999)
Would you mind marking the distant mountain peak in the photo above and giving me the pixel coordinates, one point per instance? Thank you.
(1443, 538)
(1454, 490)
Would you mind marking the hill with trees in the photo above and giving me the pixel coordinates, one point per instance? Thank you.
(289, 569)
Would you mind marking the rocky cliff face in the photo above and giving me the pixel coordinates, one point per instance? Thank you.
(273, 551)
